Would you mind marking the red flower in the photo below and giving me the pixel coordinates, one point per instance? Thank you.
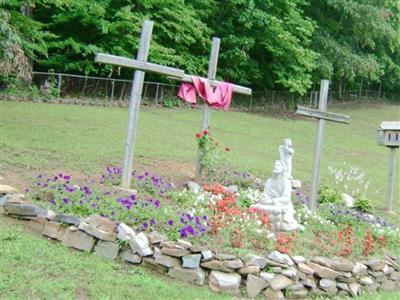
(227, 149)
(198, 135)
(205, 132)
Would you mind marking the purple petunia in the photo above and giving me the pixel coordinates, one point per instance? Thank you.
(65, 200)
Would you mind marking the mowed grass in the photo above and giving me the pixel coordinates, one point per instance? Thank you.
(34, 268)
(36, 137)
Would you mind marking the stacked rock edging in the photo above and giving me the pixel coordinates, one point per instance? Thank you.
(277, 276)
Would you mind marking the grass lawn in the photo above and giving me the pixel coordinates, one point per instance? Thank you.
(39, 137)
(34, 268)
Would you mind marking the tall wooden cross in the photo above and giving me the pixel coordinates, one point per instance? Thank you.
(141, 65)
(321, 114)
(212, 70)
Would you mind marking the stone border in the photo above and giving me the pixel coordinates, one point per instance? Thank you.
(277, 276)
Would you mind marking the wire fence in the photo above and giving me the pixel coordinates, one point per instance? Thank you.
(68, 88)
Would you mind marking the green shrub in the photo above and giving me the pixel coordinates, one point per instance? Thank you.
(171, 102)
(330, 195)
(364, 204)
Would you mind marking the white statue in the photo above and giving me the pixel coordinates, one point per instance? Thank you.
(286, 152)
(276, 200)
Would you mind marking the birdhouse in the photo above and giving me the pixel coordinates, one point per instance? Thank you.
(389, 134)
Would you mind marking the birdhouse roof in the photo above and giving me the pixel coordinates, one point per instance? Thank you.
(389, 125)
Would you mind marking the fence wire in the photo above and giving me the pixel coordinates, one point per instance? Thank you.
(110, 91)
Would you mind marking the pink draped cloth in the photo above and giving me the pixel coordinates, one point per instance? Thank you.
(221, 97)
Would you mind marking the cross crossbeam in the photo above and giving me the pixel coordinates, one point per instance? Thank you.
(315, 113)
(137, 64)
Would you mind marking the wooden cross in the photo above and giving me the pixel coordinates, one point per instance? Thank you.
(212, 70)
(321, 114)
(141, 65)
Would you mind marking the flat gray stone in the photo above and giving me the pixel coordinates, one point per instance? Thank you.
(290, 273)
(193, 187)
(223, 256)
(97, 232)
(223, 282)
(7, 189)
(323, 272)
(280, 282)
(78, 239)
(106, 249)
(125, 233)
(354, 289)
(67, 219)
(36, 224)
(309, 283)
(281, 258)
(254, 285)
(249, 270)
(175, 252)
(156, 237)
(343, 286)
(191, 261)
(328, 285)
(395, 276)
(233, 264)
(54, 230)
(216, 265)
(13, 198)
(165, 260)
(342, 265)
(305, 269)
(267, 276)
(21, 209)
(299, 259)
(366, 280)
(376, 264)
(150, 263)
(194, 276)
(140, 244)
(184, 244)
(131, 257)
(207, 255)
(255, 260)
(359, 269)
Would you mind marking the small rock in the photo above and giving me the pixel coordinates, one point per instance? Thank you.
(232, 189)
(130, 257)
(309, 283)
(106, 249)
(184, 244)
(222, 256)
(328, 285)
(198, 248)
(101, 223)
(254, 260)
(343, 265)
(249, 270)
(233, 264)
(272, 263)
(125, 233)
(150, 263)
(280, 258)
(37, 224)
(195, 276)
(345, 277)
(359, 269)
(78, 239)
(305, 269)
(13, 198)
(21, 209)
(254, 285)
(323, 272)
(296, 184)
(267, 276)
(354, 289)
(191, 261)
(140, 244)
(67, 219)
(207, 255)
(299, 259)
(223, 282)
(395, 276)
(376, 264)
(276, 270)
(366, 280)
(165, 260)
(343, 286)
(7, 189)
(175, 252)
(156, 237)
(290, 273)
(53, 230)
(193, 187)
(280, 282)
(216, 265)
(98, 233)
(270, 294)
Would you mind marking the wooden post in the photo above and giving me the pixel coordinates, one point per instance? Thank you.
(323, 95)
(212, 71)
(390, 187)
(134, 104)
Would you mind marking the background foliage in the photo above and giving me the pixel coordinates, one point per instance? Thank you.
(267, 44)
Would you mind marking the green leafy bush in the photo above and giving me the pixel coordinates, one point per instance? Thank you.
(364, 204)
(330, 195)
(171, 102)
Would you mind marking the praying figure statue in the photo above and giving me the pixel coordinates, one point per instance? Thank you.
(286, 152)
(276, 200)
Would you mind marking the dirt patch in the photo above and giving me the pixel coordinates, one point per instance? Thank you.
(82, 294)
